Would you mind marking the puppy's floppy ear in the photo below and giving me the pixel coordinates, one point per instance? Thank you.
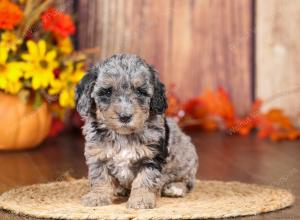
(158, 104)
(83, 99)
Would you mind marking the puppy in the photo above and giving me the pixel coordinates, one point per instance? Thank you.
(131, 147)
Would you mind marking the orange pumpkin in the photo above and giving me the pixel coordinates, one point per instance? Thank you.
(22, 126)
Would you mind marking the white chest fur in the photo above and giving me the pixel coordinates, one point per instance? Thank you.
(121, 158)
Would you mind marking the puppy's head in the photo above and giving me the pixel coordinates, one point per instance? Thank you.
(121, 93)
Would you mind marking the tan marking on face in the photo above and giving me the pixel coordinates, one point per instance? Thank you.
(110, 118)
(138, 81)
(99, 115)
(109, 81)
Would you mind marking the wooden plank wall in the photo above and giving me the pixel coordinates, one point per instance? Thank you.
(195, 44)
(277, 54)
(65, 6)
(199, 44)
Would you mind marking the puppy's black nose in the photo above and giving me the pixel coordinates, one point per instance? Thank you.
(125, 118)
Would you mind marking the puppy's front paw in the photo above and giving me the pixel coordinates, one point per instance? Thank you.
(96, 199)
(141, 199)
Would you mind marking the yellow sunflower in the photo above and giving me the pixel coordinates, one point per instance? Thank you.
(65, 84)
(10, 41)
(40, 64)
(10, 73)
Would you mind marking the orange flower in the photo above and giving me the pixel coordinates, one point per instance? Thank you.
(211, 110)
(10, 15)
(244, 126)
(214, 110)
(174, 105)
(218, 103)
(276, 126)
(60, 24)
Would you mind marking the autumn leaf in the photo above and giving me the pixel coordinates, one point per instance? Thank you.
(213, 110)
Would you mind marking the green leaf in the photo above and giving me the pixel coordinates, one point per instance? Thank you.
(37, 100)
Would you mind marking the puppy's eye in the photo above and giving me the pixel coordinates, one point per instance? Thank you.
(142, 92)
(105, 92)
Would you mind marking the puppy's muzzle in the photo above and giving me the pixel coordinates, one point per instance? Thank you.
(125, 117)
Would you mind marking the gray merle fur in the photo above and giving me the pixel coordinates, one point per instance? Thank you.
(130, 145)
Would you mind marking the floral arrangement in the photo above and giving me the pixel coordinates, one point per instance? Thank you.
(37, 61)
(213, 110)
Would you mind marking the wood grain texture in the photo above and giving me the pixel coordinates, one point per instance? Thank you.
(278, 51)
(66, 6)
(195, 44)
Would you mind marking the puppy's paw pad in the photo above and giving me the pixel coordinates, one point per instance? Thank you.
(96, 199)
(142, 201)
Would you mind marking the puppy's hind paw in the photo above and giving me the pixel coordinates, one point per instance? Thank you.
(174, 189)
(96, 199)
(141, 199)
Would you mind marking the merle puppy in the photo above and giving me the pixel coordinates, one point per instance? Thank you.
(131, 147)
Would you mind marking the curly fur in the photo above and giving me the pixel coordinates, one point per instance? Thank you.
(147, 154)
